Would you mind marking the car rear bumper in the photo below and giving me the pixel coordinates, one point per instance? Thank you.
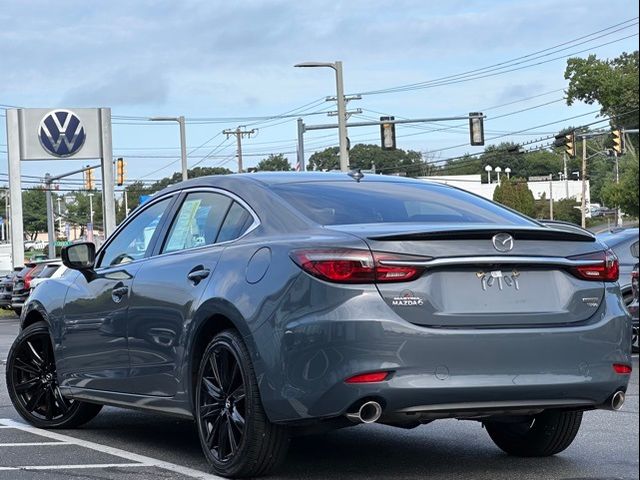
(448, 372)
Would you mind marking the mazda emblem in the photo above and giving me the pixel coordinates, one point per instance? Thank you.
(502, 242)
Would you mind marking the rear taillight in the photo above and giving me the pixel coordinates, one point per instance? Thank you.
(605, 266)
(354, 265)
(27, 282)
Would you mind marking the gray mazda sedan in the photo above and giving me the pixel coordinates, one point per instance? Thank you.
(268, 305)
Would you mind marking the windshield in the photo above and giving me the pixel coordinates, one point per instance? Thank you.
(344, 203)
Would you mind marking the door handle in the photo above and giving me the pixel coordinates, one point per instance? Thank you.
(196, 276)
(118, 293)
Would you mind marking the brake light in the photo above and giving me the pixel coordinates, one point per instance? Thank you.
(604, 269)
(354, 265)
(372, 377)
(622, 368)
(27, 280)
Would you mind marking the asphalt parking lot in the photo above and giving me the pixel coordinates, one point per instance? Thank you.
(122, 444)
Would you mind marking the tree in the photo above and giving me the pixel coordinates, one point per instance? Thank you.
(515, 194)
(274, 163)
(368, 157)
(79, 212)
(625, 194)
(34, 211)
(611, 83)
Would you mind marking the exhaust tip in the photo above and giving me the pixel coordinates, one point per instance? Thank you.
(369, 412)
(617, 400)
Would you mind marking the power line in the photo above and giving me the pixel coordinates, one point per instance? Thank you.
(514, 61)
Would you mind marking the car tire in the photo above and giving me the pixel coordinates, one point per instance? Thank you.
(33, 385)
(546, 434)
(237, 438)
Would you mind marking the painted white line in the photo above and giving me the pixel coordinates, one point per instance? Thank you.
(134, 457)
(31, 444)
(68, 467)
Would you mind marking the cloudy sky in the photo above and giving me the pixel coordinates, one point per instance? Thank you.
(215, 62)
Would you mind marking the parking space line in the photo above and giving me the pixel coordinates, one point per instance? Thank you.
(74, 467)
(32, 444)
(134, 457)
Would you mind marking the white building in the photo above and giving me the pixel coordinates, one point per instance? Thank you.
(560, 188)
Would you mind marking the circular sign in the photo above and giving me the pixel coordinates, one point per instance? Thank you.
(61, 133)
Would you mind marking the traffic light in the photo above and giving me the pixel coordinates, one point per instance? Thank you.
(88, 179)
(617, 142)
(476, 128)
(570, 144)
(120, 172)
(568, 141)
(388, 134)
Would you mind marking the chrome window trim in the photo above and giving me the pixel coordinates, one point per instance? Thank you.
(256, 220)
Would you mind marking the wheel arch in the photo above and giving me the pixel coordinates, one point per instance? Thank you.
(213, 317)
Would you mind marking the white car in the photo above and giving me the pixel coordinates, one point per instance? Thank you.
(54, 270)
(32, 245)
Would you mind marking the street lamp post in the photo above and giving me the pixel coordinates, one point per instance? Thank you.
(488, 169)
(508, 172)
(183, 140)
(342, 111)
(498, 170)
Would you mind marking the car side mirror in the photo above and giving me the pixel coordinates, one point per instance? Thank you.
(79, 256)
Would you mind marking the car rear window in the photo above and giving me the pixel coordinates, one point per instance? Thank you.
(343, 203)
(48, 271)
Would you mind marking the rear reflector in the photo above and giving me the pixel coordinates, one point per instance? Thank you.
(368, 377)
(622, 368)
(341, 265)
(605, 268)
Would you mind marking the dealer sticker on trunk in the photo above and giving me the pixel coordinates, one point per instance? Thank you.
(407, 299)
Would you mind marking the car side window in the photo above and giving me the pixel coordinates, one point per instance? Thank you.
(133, 241)
(237, 221)
(198, 221)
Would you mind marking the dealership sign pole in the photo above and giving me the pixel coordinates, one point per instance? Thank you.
(46, 134)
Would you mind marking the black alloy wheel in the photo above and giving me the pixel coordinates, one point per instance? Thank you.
(223, 403)
(33, 384)
(236, 436)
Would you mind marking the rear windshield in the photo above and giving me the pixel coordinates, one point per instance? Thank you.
(344, 203)
(48, 271)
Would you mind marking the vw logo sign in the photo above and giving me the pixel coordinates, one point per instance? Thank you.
(502, 242)
(61, 133)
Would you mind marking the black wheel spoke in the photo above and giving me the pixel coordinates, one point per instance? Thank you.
(223, 356)
(25, 367)
(222, 438)
(210, 410)
(233, 443)
(238, 394)
(28, 385)
(237, 420)
(37, 359)
(213, 391)
(216, 371)
(48, 398)
(62, 403)
(34, 401)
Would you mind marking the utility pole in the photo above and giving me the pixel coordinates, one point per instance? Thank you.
(91, 209)
(126, 203)
(51, 226)
(551, 196)
(584, 182)
(301, 145)
(618, 210)
(566, 175)
(239, 133)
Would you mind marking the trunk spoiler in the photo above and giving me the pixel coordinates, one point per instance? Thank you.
(540, 233)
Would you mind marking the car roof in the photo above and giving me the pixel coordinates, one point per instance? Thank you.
(239, 180)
